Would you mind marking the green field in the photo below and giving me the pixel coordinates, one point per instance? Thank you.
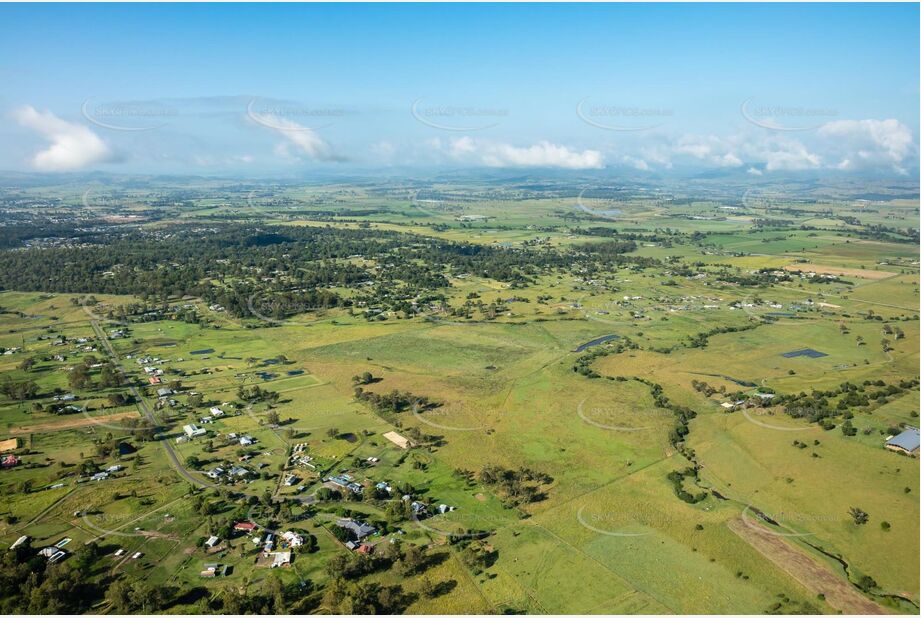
(606, 530)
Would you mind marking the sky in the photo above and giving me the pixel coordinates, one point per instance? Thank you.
(256, 90)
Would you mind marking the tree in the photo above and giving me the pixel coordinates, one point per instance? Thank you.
(79, 377)
(272, 417)
(108, 377)
(859, 515)
(119, 597)
(333, 432)
(412, 560)
(426, 588)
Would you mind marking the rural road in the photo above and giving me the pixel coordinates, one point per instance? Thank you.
(145, 410)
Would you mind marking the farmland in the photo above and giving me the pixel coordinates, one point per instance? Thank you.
(612, 402)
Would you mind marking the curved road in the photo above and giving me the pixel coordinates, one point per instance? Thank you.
(145, 411)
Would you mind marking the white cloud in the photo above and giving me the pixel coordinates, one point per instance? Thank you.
(867, 143)
(789, 155)
(709, 148)
(300, 140)
(72, 146)
(541, 154)
(845, 145)
(636, 163)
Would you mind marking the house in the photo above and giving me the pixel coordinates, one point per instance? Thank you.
(293, 539)
(19, 542)
(9, 445)
(216, 412)
(247, 440)
(193, 430)
(398, 439)
(281, 558)
(213, 569)
(239, 471)
(906, 442)
(115, 468)
(366, 549)
(244, 526)
(359, 529)
(56, 556)
(212, 541)
(355, 488)
(290, 480)
(163, 393)
(154, 380)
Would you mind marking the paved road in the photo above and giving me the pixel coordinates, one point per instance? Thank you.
(146, 412)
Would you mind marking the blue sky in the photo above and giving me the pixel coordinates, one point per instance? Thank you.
(287, 89)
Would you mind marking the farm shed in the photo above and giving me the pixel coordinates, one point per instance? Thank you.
(906, 442)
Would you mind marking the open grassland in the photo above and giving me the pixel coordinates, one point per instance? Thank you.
(608, 531)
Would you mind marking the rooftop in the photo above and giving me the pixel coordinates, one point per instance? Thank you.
(908, 440)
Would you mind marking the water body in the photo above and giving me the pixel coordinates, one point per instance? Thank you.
(205, 351)
(598, 341)
(730, 378)
(804, 352)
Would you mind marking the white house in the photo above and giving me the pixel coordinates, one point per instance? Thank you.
(293, 538)
(193, 430)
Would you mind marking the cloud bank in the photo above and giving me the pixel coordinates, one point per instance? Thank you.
(541, 154)
(71, 146)
(300, 141)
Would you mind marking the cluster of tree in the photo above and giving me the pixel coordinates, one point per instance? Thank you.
(583, 363)
(255, 394)
(708, 391)
(700, 340)
(677, 478)
(394, 401)
(821, 406)
(280, 269)
(19, 391)
(515, 487)
(30, 585)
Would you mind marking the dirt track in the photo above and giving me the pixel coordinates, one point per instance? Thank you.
(74, 422)
(815, 576)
